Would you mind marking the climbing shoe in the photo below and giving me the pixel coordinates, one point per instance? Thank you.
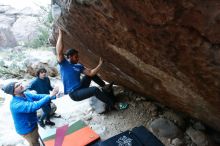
(108, 88)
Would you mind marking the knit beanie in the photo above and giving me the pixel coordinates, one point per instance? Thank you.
(9, 88)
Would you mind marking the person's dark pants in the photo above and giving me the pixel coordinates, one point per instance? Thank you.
(46, 112)
(84, 91)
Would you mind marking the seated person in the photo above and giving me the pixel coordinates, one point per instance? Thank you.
(41, 84)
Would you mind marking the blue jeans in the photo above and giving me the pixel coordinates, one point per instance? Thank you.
(84, 91)
(46, 112)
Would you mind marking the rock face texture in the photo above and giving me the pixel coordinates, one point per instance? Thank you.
(7, 38)
(18, 26)
(166, 49)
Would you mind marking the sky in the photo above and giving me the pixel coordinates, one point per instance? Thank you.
(19, 4)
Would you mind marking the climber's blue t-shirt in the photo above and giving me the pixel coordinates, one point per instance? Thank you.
(70, 74)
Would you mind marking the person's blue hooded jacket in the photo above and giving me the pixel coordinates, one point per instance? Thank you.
(24, 109)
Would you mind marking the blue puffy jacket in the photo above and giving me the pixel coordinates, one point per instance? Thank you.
(24, 109)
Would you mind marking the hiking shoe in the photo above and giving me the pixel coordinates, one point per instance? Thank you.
(50, 123)
(41, 123)
(56, 116)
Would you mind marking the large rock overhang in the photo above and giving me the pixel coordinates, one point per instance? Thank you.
(169, 50)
